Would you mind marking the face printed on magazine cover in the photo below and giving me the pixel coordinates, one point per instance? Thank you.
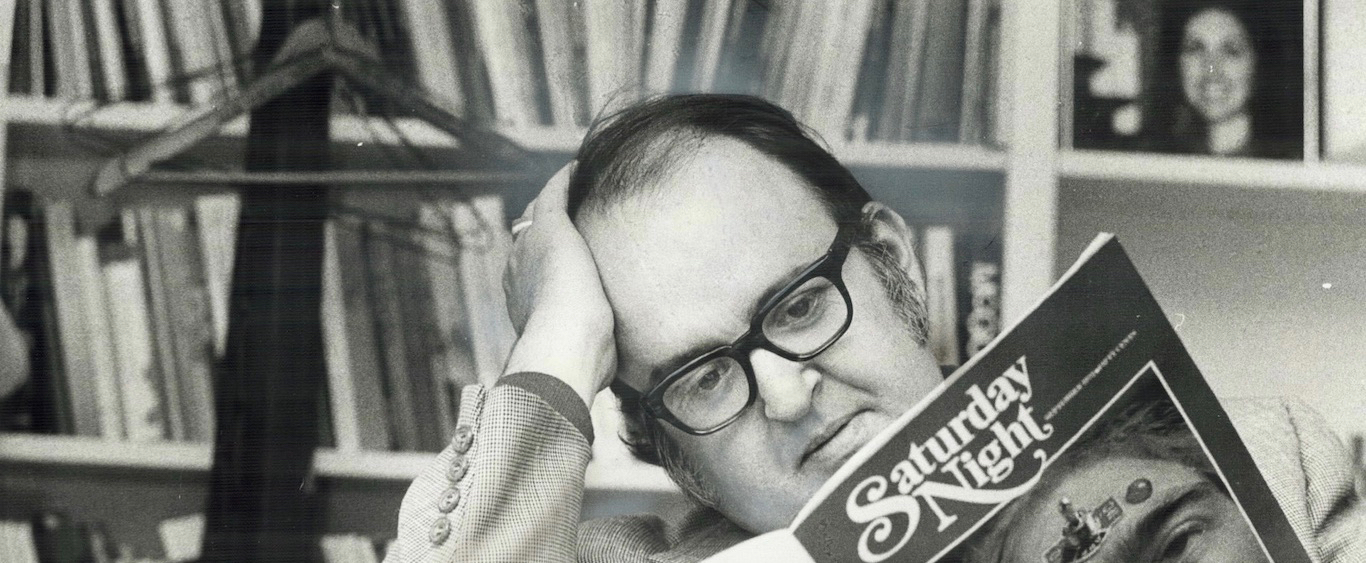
(684, 268)
(1132, 510)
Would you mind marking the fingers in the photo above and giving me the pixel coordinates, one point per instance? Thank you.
(554, 196)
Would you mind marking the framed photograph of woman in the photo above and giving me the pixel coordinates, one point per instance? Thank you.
(1211, 77)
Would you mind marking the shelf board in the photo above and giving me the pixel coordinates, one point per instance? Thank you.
(98, 453)
(149, 118)
(1206, 170)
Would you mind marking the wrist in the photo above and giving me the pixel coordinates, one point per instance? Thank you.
(580, 353)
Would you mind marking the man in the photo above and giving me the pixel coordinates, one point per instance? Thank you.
(758, 314)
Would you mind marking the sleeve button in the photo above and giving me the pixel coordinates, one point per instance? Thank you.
(441, 529)
(463, 437)
(449, 500)
(456, 470)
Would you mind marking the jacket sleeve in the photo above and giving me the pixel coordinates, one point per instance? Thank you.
(1309, 472)
(1334, 505)
(507, 488)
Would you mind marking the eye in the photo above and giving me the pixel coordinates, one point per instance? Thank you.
(708, 380)
(1181, 541)
(798, 310)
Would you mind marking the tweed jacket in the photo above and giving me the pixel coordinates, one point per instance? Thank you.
(510, 486)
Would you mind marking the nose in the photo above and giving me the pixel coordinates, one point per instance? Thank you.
(786, 387)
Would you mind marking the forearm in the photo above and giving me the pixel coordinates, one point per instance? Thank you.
(521, 490)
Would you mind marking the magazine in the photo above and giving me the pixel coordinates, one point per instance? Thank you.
(1084, 432)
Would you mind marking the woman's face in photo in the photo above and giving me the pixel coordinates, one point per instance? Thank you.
(1217, 65)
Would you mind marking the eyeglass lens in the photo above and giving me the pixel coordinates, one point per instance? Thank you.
(808, 318)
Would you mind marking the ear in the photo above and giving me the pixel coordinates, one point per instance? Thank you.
(889, 229)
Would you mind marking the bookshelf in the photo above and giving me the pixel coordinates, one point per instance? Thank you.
(1045, 201)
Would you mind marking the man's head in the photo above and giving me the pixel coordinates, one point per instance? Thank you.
(1144, 474)
(698, 210)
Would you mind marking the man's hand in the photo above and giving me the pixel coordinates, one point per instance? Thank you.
(555, 298)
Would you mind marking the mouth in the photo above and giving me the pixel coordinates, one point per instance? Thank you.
(830, 443)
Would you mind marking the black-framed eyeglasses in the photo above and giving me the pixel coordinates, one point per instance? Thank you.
(797, 323)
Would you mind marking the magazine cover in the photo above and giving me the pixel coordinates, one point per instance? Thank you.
(1084, 433)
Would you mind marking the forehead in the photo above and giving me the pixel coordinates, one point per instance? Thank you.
(683, 262)
(1215, 23)
(1088, 488)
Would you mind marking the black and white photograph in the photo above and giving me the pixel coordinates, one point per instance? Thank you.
(1205, 77)
(348, 281)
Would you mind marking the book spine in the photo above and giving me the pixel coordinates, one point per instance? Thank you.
(382, 268)
(96, 316)
(12, 23)
(191, 39)
(110, 49)
(972, 109)
(937, 112)
(479, 225)
(940, 294)
(904, 92)
(125, 295)
(437, 66)
(73, 331)
(336, 348)
(216, 216)
(614, 78)
(187, 309)
(152, 26)
(422, 343)
(360, 341)
(715, 16)
(666, 35)
(455, 365)
(503, 42)
(163, 344)
(556, 21)
(842, 57)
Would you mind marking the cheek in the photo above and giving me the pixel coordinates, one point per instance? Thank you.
(1191, 68)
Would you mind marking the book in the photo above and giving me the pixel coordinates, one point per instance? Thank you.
(13, 45)
(341, 392)
(110, 47)
(941, 77)
(484, 246)
(134, 47)
(355, 378)
(151, 25)
(503, 40)
(73, 331)
(148, 249)
(103, 365)
(174, 263)
(941, 291)
(665, 36)
(125, 286)
(563, 62)
(381, 281)
(972, 108)
(193, 50)
(437, 66)
(1036, 436)
(613, 54)
(910, 26)
(72, 65)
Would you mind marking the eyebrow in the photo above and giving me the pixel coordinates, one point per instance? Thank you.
(676, 361)
(1151, 525)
